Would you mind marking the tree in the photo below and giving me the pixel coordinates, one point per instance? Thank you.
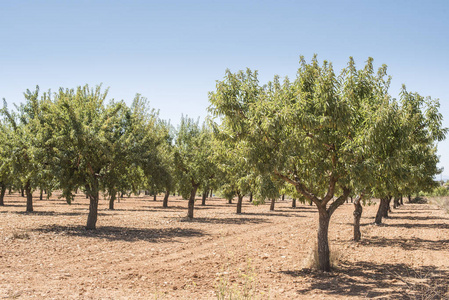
(236, 177)
(404, 149)
(91, 142)
(27, 159)
(305, 132)
(5, 160)
(193, 158)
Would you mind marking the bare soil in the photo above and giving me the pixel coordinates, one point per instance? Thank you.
(143, 251)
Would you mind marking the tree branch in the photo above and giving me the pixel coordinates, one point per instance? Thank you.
(340, 200)
(299, 187)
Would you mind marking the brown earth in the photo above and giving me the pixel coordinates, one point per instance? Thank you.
(143, 251)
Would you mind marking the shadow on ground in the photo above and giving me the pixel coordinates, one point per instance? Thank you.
(235, 221)
(113, 233)
(51, 213)
(368, 280)
(406, 243)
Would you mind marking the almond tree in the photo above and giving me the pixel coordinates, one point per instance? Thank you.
(306, 132)
(235, 175)
(91, 142)
(193, 158)
(26, 161)
(5, 160)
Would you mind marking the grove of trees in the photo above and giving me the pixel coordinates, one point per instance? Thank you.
(320, 138)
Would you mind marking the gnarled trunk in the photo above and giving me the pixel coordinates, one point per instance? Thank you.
(358, 209)
(41, 195)
(386, 207)
(112, 199)
(165, 201)
(396, 202)
(93, 211)
(203, 197)
(381, 210)
(251, 197)
(239, 203)
(29, 195)
(192, 202)
(2, 194)
(273, 200)
(323, 240)
(294, 202)
(94, 195)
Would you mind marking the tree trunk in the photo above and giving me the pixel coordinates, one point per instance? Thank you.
(154, 196)
(29, 195)
(396, 202)
(41, 195)
(310, 202)
(203, 197)
(409, 198)
(381, 210)
(165, 201)
(2, 194)
(273, 200)
(22, 191)
(323, 242)
(386, 207)
(230, 201)
(239, 203)
(283, 197)
(401, 201)
(294, 202)
(93, 211)
(211, 194)
(251, 197)
(192, 202)
(358, 209)
(112, 199)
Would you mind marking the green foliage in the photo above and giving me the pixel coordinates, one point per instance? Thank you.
(328, 134)
(193, 158)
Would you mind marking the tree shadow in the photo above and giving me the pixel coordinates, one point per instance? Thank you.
(406, 243)
(51, 213)
(275, 213)
(13, 205)
(420, 225)
(114, 233)
(418, 218)
(401, 211)
(297, 210)
(369, 280)
(235, 221)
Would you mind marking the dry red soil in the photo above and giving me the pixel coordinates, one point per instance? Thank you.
(143, 251)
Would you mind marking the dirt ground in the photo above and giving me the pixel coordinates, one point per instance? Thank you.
(143, 251)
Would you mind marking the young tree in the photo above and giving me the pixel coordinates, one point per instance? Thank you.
(193, 158)
(27, 159)
(5, 160)
(236, 175)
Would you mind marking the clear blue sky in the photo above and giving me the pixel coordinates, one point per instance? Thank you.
(172, 52)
